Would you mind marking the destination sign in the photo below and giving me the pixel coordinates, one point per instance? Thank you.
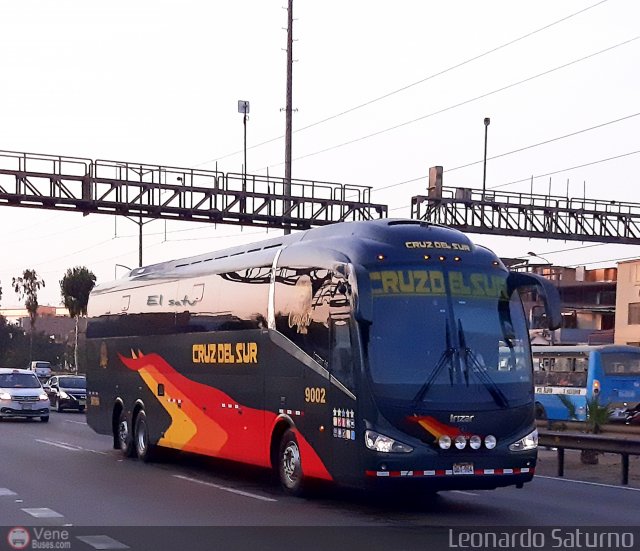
(436, 282)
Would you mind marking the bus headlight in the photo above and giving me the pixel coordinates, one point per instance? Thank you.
(490, 442)
(475, 442)
(381, 443)
(529, 442)
(460, 442)
(444, 442)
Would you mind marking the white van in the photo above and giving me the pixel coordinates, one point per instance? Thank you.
(41, 369)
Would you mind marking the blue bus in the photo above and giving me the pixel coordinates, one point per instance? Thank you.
(576, 374)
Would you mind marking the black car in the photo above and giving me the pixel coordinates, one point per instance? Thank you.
(67, 392)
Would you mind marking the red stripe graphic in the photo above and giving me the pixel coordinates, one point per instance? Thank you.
(235, 433)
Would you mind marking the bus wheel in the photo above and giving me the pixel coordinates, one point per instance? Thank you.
(143, 449)
(290, 465)
(124, 436)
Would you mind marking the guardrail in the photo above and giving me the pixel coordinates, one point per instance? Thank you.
(581, 426)
(622, 444)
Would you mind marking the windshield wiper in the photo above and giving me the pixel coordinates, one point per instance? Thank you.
(477, 367)
(446, 358)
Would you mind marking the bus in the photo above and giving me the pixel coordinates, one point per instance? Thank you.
(383, 353)
(567, 377)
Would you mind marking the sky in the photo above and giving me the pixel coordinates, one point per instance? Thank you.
(381, 90)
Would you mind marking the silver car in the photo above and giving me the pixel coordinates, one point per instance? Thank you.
(22, 395)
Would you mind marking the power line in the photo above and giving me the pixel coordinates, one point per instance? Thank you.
(551, 140)
(575, 248)
(465, 102)
(602, 261)
(545, 142)
(453, 67)
(567, 169)
(406, 87)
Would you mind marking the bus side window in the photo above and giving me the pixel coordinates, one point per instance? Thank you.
(302, 310)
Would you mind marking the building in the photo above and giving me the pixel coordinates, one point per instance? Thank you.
(588, 299)
(628, 303)
(51, 320)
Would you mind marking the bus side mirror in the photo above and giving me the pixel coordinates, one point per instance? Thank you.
(546, 290)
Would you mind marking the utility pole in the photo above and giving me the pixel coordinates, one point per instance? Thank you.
(289, 109)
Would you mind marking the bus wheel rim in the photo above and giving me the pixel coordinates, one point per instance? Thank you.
(291, 464)
(123, 432)
(142, 438)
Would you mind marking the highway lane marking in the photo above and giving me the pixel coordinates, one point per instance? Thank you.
(463, 492)
(6, 492)
(589, 483)
(76, 422)
(71, 447)
(42, 512)
(62, 445)
(59, 445)
(224, 488)
(102, 542)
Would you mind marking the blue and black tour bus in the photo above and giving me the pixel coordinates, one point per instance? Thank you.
(385, 353)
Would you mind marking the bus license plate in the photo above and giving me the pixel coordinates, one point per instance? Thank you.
(463, 468)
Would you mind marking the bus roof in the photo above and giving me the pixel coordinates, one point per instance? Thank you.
(358, 242)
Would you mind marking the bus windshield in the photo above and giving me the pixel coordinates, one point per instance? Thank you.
(461, 342)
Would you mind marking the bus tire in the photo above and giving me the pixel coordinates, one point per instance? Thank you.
(124, 436)
(540, 411)
(290, 465)
(144, 450)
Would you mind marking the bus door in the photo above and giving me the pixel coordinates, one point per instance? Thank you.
(294, 385)
(345, 432)
(330, 412)
(312, 312)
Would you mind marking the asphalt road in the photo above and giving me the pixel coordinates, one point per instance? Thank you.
(63, 475)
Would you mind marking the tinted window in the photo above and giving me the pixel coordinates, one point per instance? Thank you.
(302, 300)
(73, 382)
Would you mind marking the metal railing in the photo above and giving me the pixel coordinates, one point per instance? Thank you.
(623, 443)
(530, 215)
(34, 180)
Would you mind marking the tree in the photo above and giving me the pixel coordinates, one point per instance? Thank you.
(27, 287)
(75, 287)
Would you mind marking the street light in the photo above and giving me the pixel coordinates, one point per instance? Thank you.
(243, 107)
(487, 121)
(121, 266)
(530, 253)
